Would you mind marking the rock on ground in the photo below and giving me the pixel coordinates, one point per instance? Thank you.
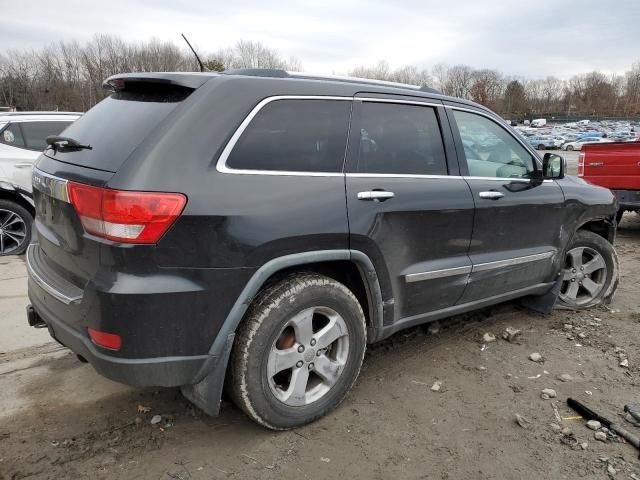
(536, 357)
(594, 424)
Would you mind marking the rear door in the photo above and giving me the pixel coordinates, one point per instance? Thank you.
(406, 212)
(517, 229)
(15, 159)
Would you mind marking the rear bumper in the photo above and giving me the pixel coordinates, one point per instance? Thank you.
(158, 371)
(158, 322)
(628, 199)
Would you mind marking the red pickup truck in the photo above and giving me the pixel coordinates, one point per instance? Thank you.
(615, 166)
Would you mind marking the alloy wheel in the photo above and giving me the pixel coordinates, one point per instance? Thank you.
(13, 230)
(308, 356)
(583, 277)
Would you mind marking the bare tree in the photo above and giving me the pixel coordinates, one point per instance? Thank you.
(408, 74)
(69, 76)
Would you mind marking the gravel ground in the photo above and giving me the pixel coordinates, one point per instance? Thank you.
(59, 419)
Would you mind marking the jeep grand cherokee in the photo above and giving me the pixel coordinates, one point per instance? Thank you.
(257, 229)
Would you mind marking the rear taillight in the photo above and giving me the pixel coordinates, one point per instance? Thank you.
(125, 216)
(581, 164)
(104, 339)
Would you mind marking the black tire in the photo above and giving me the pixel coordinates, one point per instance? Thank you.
(619, 215)
(14, 240)
(594, 243)
(541, 146)
(250, 387)
(570, 148)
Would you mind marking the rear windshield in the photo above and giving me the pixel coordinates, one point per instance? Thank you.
(115, 127)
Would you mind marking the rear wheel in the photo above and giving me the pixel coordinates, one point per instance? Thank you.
(590, 274)
(619, 215)
(298, 352)
(15, 228)
(541, 146)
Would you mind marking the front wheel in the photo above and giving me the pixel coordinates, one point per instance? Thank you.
(590, 274)
(298, 351)
(570, 148)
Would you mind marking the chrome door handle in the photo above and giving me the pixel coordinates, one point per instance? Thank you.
(375, 195)
(491, 195)
(23, 165)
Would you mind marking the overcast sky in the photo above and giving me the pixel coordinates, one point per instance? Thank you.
(532, 38)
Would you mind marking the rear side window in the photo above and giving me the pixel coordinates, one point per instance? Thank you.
(12, 136)
(400, 139)
(35, 133)
(296, 136)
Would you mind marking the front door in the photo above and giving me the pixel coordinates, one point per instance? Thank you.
(405, 211)
(517, 226)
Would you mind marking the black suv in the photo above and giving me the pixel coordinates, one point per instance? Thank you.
(257, 229)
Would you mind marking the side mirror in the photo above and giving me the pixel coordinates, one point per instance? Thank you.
(553, 166)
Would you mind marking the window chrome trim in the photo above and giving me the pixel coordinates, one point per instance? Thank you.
(504, 179)
(221, 164)
(532, 152)
(398, 175)
(50, 185)
(480, 267)
(446, 272)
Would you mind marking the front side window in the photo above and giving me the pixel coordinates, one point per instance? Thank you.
(12, 136)
(297, 135)
(490, 150)
(400, 139)
(35, 133)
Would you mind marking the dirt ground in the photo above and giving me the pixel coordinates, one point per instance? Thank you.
(59, 419)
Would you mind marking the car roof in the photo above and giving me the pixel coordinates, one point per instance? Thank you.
(335, 83)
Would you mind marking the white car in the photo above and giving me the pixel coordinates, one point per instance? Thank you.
(22, 139)
(577, 145)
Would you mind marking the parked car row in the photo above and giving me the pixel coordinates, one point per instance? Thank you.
(572, 136)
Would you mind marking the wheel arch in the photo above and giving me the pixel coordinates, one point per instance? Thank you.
(320, 261)
(207, 392)
(605, 227)
(7, 192)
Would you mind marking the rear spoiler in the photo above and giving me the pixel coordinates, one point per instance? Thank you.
(177, 79)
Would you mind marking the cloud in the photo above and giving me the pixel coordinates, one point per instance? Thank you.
(530, 38)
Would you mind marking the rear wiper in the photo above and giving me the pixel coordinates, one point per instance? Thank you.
(65, 143)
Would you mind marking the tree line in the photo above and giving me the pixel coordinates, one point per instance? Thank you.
(69, 76)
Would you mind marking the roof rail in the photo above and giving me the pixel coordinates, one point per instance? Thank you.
(22, 114)
(257, 72)
(276, 73)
